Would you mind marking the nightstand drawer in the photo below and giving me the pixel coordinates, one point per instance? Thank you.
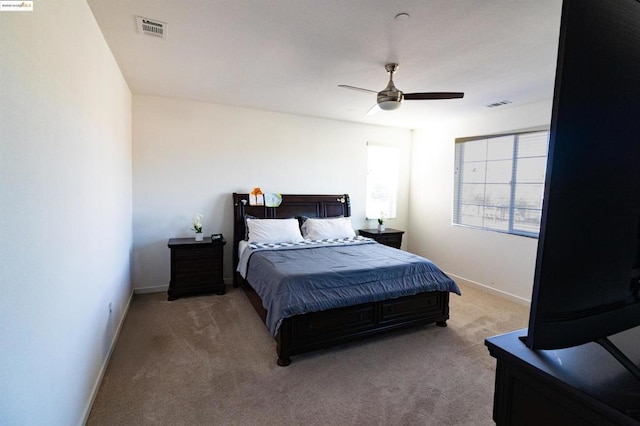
(389, 237)
(197, 275)
(198, 278)
(189, 265)
(190, 253)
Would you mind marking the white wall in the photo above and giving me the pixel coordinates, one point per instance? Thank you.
(499, 262)
(189, 157)
(65, 209)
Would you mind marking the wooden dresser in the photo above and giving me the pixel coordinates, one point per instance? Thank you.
(196, 266)
(388, 237)
(583, 385)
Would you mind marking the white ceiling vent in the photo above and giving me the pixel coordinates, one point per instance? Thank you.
(497, 104)
(151, 27)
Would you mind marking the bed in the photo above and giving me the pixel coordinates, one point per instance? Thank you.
(338, 312)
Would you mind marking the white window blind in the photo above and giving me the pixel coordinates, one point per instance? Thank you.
(499, 182)
(382, 180)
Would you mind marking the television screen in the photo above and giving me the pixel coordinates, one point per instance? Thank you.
(588, 261)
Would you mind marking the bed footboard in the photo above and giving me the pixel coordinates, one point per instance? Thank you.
(316, 330)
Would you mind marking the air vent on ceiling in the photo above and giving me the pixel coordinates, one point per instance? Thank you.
(151, 27)
(497, 104)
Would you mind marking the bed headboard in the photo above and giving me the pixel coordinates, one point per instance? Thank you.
(291, 206)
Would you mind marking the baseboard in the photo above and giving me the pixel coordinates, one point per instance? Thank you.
(156, 289)
(103, 369)
(164, 288)
(499, 293)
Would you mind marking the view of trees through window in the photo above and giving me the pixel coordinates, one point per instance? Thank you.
(499, 182)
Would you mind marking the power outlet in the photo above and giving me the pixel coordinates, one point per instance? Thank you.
(110, 310)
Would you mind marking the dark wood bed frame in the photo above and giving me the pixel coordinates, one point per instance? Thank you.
(315, 330)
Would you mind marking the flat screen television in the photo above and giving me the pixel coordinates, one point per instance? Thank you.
(586, 283)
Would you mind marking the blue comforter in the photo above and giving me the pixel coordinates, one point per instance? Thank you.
(314, 276)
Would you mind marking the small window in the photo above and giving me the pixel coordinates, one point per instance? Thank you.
(499, 182)
(382, 180)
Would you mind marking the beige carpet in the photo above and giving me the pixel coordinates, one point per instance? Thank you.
(209, 360)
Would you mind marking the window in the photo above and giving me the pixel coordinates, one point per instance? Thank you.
(499, 182)
(382, 180)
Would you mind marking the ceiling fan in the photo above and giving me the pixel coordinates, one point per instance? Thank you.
(390, 97)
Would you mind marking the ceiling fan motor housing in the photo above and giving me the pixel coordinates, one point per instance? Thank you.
(389, 99)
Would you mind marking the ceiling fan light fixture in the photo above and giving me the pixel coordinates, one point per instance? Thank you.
(389, 105)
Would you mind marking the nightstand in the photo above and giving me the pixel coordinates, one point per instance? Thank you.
(196, 266)
(388, 237)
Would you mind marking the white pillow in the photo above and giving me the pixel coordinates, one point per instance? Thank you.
(321, 229)
(273, 230)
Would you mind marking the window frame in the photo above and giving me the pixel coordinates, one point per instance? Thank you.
(458, 182)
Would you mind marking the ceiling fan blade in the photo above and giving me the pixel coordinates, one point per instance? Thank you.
(433, 95)
(344, 86)
(373, 110)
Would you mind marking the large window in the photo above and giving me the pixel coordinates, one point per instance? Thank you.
(382, 180)
(499, 182)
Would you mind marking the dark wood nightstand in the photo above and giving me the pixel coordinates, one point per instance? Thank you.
(196, 266)
(388, 237)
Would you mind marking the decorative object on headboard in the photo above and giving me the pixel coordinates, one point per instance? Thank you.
(272, 200)
(256, 197)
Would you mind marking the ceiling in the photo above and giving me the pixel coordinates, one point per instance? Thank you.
(290, 55)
